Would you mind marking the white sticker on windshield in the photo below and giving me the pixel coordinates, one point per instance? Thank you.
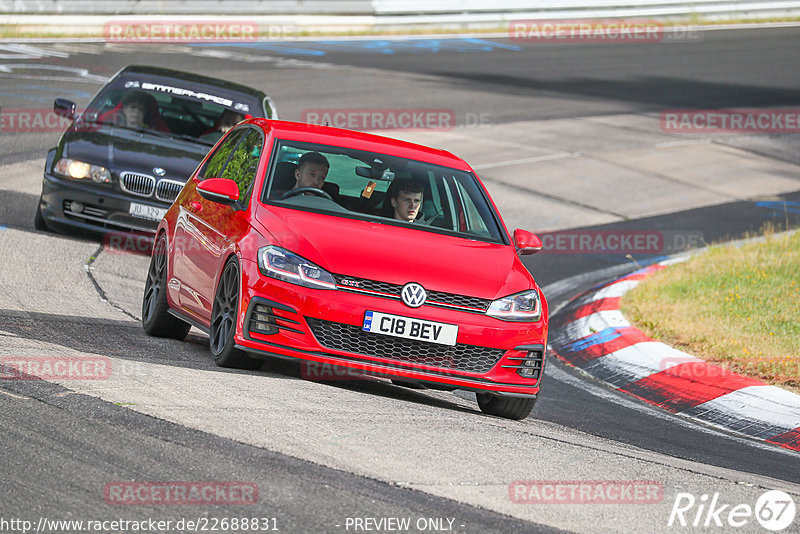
(178, 91)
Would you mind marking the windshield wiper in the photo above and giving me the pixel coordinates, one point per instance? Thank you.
(159, 133)
(190, 138)
(137, 129)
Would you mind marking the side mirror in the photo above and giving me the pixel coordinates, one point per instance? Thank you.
(221, 191)
(64, 108)
(526, 242)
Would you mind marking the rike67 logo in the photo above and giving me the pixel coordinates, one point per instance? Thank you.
(774, 510)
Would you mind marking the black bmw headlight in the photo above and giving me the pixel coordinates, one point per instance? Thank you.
(80, 170)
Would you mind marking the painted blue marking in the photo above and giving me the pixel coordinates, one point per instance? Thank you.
(367, 321)
(48, 98)
(2, 227)
(603, 336)
(780, 206)
(282, 48)
(31, 98)
(60, 90)
(373, 46)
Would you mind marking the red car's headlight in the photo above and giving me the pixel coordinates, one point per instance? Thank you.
(279, 263)
(521, 307)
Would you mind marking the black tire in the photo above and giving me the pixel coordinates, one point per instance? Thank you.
(38, 220)
(507, 407)
(224, 313)
(156, 320)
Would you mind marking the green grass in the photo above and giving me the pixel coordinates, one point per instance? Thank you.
(738, 307)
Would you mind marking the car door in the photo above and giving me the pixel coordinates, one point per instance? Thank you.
(207, 228)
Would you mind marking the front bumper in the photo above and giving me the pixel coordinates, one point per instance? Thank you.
(323, 328)
(103, 209)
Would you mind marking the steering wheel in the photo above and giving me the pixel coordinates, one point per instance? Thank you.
(302, 190)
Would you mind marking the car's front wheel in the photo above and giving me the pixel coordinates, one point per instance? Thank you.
(156, 318)
(224, 314)
(508, 407)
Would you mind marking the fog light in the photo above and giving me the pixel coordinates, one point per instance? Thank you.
(262, 321)
(76, 207)
(532, 368)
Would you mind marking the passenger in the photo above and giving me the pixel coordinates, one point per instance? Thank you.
(227, 120)
(405, 199)
(312, 169)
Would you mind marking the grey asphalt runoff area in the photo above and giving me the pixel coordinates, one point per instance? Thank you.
(564, 151)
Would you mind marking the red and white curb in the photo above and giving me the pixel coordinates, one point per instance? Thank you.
(592, 334)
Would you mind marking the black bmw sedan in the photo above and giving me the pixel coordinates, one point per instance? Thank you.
(125, 158)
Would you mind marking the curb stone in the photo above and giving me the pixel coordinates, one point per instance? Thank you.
(593, 335)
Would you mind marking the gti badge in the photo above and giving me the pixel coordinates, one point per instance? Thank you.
(158, 171)
(413, 295)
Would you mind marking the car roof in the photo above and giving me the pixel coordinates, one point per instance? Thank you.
(191, 77)
(327, 135)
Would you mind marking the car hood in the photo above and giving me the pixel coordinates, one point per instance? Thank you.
(398, 255)
(122, 150)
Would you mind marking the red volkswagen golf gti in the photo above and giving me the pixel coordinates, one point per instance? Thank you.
(340, 248)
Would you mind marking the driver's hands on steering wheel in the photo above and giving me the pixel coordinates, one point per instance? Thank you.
(303, 190)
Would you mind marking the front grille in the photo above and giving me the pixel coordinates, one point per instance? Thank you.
(137, 184)
(350, 338)
(435, 298)
(459, 300)
(168, 190)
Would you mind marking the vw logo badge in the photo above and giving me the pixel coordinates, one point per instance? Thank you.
(158, 171)
(413, 295)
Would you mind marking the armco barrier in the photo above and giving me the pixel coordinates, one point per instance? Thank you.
(390, 12)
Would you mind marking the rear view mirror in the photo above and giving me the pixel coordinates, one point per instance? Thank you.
(64, 108)
(526, 242)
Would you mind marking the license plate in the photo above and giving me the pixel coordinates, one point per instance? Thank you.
(410, 328)
(143, 211)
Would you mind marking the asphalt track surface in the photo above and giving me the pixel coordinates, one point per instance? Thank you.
(60, 446)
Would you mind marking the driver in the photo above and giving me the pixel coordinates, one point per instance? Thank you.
(312, 169)
(134, 110)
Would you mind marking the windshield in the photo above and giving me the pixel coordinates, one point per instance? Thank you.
(381, 188)
(175, 108)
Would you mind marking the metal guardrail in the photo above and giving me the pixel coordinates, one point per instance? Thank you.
(385, 10)
(188, 7)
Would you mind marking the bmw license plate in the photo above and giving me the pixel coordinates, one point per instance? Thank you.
(143, 211)
(410, 328)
